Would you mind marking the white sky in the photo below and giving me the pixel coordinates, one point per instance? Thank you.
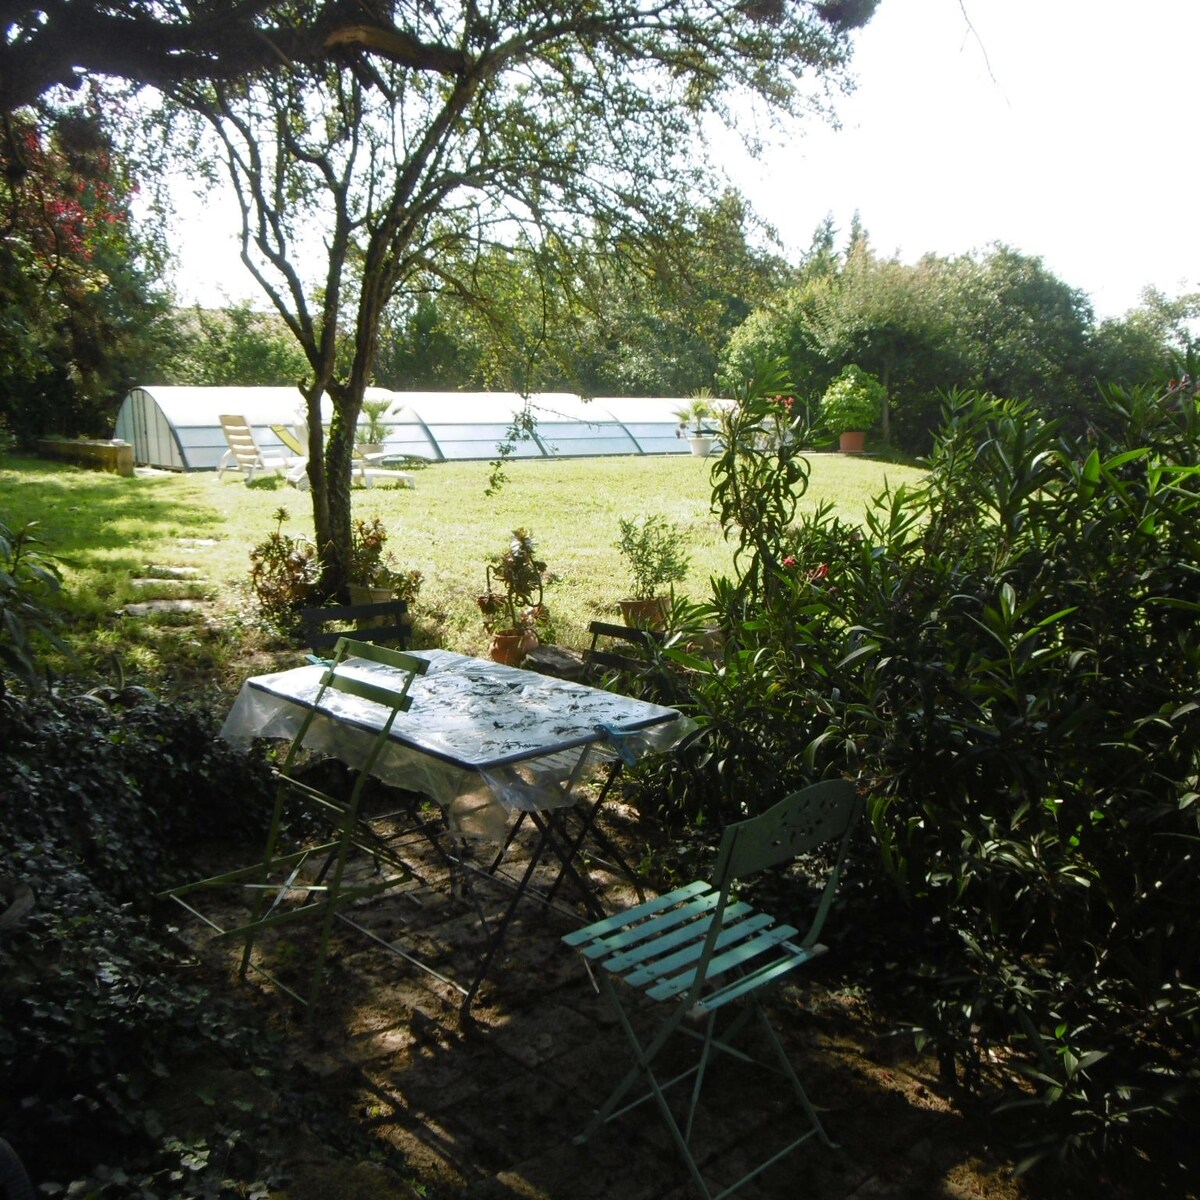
(1063, 128)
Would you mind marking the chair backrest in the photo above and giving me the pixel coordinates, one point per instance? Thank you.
(393, 696)
(820, 814)
(629, 652)
(385, 621)
(242, 443)
(389, 693)
(291, 438)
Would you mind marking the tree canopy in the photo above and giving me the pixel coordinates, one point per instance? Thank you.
(79, 304)
(998, 321)
(361, 177)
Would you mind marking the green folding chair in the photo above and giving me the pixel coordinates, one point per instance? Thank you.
(698, 950)
(276, 878)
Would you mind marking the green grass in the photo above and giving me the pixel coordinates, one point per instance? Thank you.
(109, 530)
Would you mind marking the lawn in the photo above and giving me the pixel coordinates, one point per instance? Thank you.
(115, 534)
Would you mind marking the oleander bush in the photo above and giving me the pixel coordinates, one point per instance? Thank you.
(1008, 658)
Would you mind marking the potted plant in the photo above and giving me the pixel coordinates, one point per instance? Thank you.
(653, 551)
(374, 430)
(694, 422)
(516, 600)
(373, 575)
(852, 403)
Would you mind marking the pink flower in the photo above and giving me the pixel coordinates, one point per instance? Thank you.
(790, 561)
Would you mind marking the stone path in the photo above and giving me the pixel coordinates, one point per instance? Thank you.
(169, 580)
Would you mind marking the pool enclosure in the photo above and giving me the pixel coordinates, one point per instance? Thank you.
(178, 428)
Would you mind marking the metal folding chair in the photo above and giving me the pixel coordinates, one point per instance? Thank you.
(275, 880)
(697, 950)
(384, 621)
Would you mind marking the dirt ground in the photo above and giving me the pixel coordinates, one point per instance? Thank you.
(487, 1108)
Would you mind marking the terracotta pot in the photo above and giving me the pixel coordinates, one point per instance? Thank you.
(645, 614)
(852, 441)
(509, 646)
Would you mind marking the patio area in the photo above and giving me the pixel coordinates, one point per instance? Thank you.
(488, 1110)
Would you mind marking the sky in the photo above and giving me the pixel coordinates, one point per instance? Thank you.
(1061, 128)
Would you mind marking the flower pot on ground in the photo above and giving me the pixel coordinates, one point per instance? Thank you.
(509, 646)
(696, 422)
(371, 433)
(649, 613)
(362, 593)
(852, 441)
(373, 577)
(653, 550)
(852, 404)
(517, 601)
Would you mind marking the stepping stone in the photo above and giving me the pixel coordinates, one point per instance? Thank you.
(163, 606)
(163, 572)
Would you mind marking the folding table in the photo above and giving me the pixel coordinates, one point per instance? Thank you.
(481, 739)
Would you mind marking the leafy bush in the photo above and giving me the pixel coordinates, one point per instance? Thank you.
(99, 809)
(28, 579)
(854, 400)
(1008, 659)
(285, 574)
(653, 550)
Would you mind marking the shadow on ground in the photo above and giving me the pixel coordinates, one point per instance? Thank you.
(488, 1109)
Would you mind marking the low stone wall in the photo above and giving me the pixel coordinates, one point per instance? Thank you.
(100, 456)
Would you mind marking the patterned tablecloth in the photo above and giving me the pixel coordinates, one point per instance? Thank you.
(481, 739)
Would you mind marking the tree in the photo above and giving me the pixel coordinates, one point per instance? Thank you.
(60, 43)
(233, 346)
(518, 122)
(887, 317)
(658, 314)
(79, 310)
(1023, 332)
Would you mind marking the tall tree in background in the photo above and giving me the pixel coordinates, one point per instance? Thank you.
(233, 346)
(655, 315)
(1023, 332)
(594, 315)
(885, 316)
(506, 122)
(80, 311)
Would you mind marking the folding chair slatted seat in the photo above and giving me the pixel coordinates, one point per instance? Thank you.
(698, 951)
(277, 875)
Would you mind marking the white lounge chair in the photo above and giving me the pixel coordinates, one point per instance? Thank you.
(296, 440)
(245, 454)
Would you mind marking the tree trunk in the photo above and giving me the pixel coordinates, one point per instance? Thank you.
(885, 424)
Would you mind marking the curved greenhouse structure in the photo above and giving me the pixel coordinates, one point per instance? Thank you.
(179, 429)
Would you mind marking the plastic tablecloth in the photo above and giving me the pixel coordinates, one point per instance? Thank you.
(480, 738)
